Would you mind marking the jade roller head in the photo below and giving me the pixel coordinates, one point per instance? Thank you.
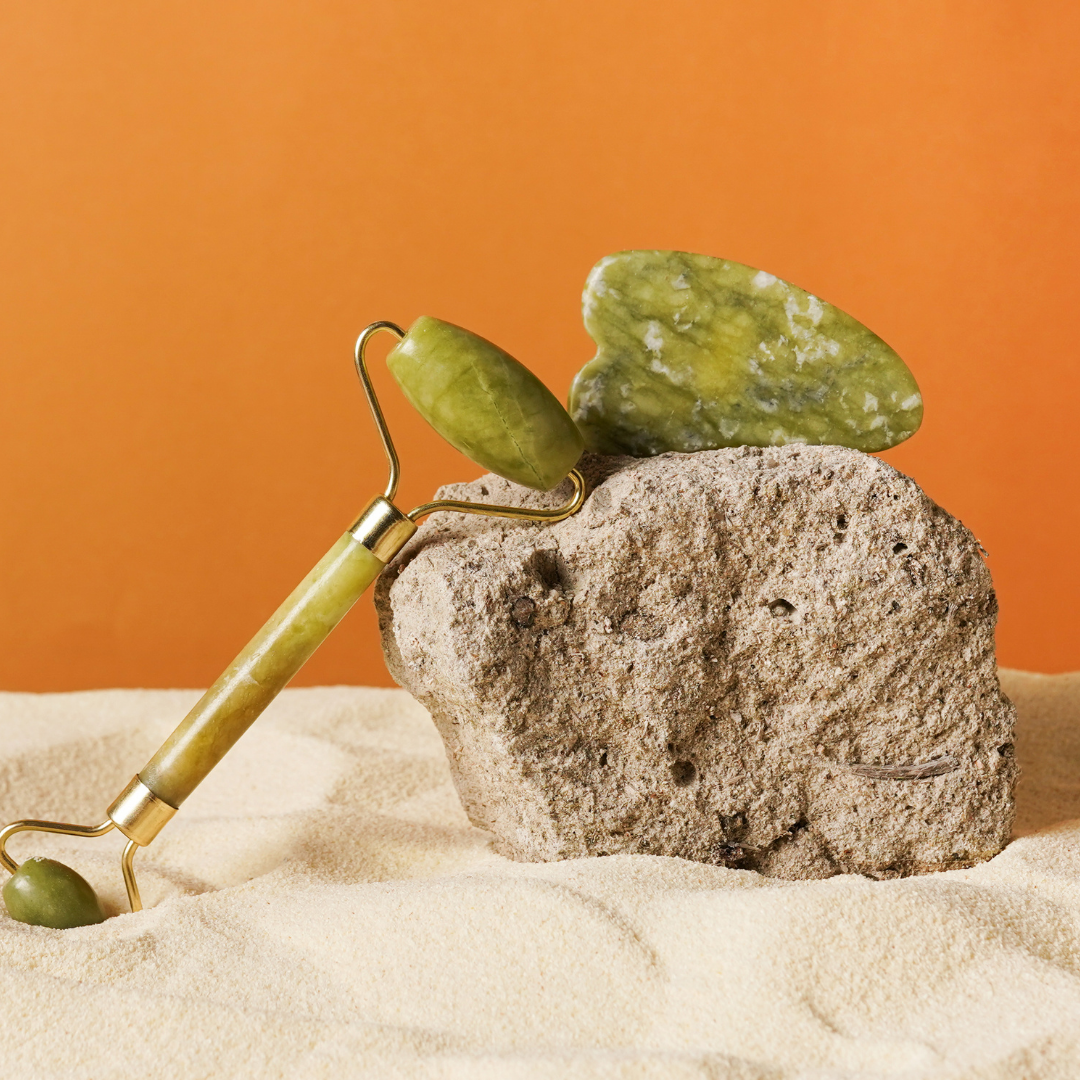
(484, 403)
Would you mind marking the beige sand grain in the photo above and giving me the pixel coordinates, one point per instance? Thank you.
(322, 908)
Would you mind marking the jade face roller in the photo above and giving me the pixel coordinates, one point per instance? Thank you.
(484, 403)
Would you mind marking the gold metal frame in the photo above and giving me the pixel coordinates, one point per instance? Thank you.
(523, 513)
(382, 528)
(88, 831)
(137, 812)
(520, 513)
(373, 402)
(66, 829)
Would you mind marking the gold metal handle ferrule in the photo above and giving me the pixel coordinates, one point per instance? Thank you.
(382, 528)
(139, 814)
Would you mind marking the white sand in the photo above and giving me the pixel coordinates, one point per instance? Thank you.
(321, 907)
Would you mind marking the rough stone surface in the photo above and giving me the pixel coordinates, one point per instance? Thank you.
(780, 659)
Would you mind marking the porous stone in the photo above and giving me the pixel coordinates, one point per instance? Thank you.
(780, 659)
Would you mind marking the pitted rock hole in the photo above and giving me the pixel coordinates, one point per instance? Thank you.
(898, 547)
(522, 611)
(781, 608)
(545, 564)
(683, 773)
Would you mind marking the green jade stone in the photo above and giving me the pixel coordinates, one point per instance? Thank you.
(696, 353)
(44, 892)
(486, 404)
(261, 671)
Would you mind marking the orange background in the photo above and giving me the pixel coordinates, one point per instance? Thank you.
(203, 201)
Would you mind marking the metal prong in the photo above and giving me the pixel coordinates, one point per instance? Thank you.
(519, 512)
(65, 829)
(126, 860)
(62, 827)
(373, 401)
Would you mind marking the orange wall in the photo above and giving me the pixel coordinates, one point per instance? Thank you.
(203, 201)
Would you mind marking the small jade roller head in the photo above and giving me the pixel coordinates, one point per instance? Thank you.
(44, 892)
(484, 403)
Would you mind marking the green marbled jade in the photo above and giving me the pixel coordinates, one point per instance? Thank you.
(44, 892)
(261, 671)
(695, 353)
(486, 404)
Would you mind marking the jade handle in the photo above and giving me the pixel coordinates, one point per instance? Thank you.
(262, 670)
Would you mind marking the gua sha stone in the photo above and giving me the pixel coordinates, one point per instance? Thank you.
(485, 403)
(44, 892)
(696, 353)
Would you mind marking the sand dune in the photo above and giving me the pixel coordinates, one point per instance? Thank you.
(322, 908)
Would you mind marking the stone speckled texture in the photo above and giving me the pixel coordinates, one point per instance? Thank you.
(780, 659)
(695, 353)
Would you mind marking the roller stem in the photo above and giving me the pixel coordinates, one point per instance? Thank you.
(126, 865)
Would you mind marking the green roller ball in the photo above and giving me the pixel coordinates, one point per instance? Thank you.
(44, 892)
(486, 404)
